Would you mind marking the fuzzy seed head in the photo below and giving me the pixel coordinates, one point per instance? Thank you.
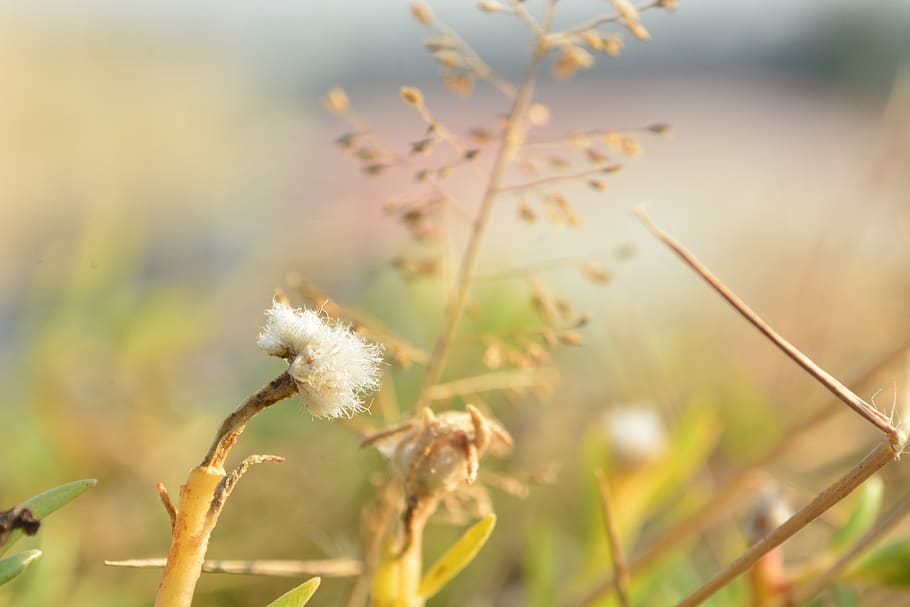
(332, 366)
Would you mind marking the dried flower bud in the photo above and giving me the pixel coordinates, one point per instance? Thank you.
(437, 454)
(594, 40)
(596, 156)
(626, 10)
(525, 212)
(661, 128)
(412, 95)
(336, 101)
(462, 83)
(570, 338)
(422, 146)
(347, 140)
(570, 60)
(481, 135)
(613, 45)
(488, 6)
(331, 366)
(538, 114)
(492, 356)
(597, 185)
(422, 13)
(639, 31)
(449, 58)
(668, 5)
(630, 146)
(594, 273)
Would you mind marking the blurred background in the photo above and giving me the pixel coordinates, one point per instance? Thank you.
(165, 165)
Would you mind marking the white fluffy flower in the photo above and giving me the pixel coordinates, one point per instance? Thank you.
(332, 366)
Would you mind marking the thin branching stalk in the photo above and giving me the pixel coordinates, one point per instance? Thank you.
(620, 571)
(512, 137)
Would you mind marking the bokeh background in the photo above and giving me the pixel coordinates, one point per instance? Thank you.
(165, 165)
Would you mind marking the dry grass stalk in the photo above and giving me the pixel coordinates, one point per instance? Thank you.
(883, 454)
(325, 567)
(864, 409)
(620, 571)
(830, 575)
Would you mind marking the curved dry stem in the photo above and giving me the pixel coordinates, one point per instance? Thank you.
(278, 389)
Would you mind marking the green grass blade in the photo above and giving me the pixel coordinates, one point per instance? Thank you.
(457, 557)
(49, 501)
(299, 596)
(12, 566)
(862, 517)
(385, 578)
(887, 566)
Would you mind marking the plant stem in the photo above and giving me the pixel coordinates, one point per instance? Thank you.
(410, 561)
(620, 571)
(198, 509)
(511, 141)
(870, 464)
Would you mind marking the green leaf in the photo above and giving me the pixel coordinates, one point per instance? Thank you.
(12, 566)
(888, 565)
(51, 500)
(862, 517)
(844, 596)
(299, 596)
(457, 557)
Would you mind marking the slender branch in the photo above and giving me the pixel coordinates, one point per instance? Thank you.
(870, 413)
(530, 185)
(870, 464)
(326, 567)
(567, 139)
(489, 382)
(594, 23)
(620, 571)
(168, 504)
(512, 136)
(278, 389)
(884, 525)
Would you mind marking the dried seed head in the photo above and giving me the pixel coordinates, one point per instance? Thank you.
(597, 185)
(630, 146)
(613, 45)
(661, 128)
(594, 273)
(336, 101)
(461, 82)
(594, 40)
(538, 114)
(492, 356)
(332, 366)
(668, 5)
(438, 454)
(525, 212)
(449, 58)
(488, 6)
(412, 95)
(626, 10)
(570, 338)
(571, 59)
(422, 13)
(639, 31)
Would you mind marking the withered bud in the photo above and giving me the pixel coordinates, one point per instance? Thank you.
(421, 175)
(471, 154)
(492, 356)
(638, 30)
(571, 59)
(412, 95)
(375, 169)
(570, 338)
(422, 146)
(488, 6)
(481, 135)
(597, 185)
(437, 454)
(596, 156)
(462, 83)
(661, 128)
(594, 40)
(347, 140)
(525, 212)
(630, 146)
(422, 13)
(594, 273)
(668, 5)
(366, 153)
(444, 171)
(558, 162)
(613, 45)
(769, 511)
(626, 10)
(336, 101)
(538, 114)
(449, 58)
